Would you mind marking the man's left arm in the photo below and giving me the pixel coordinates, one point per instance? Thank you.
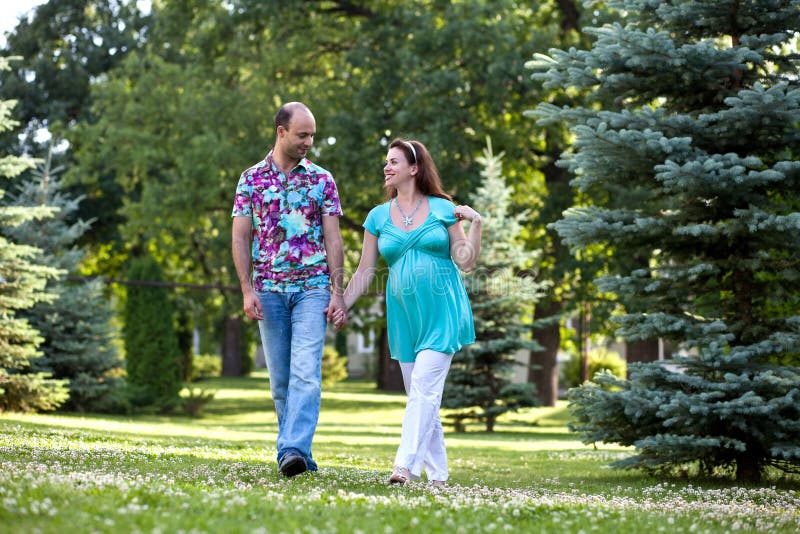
(334, 251)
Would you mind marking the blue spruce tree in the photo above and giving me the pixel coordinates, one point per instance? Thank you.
(691, 183)
(22, 284)
(479, 385)
(76, 325)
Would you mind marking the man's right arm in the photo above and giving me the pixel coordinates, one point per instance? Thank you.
(242, 227)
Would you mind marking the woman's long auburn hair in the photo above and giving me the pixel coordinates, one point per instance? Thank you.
(427, 178)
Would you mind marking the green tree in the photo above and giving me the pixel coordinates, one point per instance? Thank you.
(181, 119)
(179, 154)
(175, 122)
(22, 284)
(572, 294)
(479, 384)
(66, 43)
(75, 325)
(691, 180)
(152, 357)
(68, 46)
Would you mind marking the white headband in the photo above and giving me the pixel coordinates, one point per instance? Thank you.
(409, 145)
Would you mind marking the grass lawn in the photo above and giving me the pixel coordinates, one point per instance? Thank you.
(87, 473)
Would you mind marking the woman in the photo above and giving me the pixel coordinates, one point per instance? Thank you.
(419, 234)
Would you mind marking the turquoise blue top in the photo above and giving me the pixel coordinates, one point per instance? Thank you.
(426, 304)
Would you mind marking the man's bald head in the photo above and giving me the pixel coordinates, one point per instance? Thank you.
(284, 115)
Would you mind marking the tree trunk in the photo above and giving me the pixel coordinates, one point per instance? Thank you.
(569, 10)
(641, 351)
(748, 469)
(232, 347)
(584, 339)
(390, 378)
(458, 424)
(184, 333)
(545, 372)
(490, 419)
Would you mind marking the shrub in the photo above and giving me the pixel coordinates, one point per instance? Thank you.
(31, 392)
(205, 366)
(194, 400)
(599, 359)
(334, 367)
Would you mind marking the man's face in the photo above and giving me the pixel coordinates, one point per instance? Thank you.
(296, 140)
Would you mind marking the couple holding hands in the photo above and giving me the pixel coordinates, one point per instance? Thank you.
(288, 254)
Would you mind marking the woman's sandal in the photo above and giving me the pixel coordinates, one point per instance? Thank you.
(400, 475)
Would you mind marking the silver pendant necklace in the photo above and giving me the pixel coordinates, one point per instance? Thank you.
(408, 220)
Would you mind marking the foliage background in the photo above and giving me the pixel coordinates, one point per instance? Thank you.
(162, 110)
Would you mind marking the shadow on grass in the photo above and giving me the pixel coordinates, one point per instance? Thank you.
(96, 435)
(259, 380)
(347, 405)
(365, 396)
(230, 407)
(592, 480)
(69, 430)
(183, 465)
(510, 435)
(336, 430)
(237, 406)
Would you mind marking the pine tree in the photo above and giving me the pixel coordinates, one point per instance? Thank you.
(690, 185)
(152, 357)
(22, 283)
(76, 324)
(479, 385)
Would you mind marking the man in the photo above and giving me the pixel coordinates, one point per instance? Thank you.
(288, 208)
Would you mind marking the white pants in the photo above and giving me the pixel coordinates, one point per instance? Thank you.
(422, 437)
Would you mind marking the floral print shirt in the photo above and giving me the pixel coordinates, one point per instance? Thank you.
(288, 249)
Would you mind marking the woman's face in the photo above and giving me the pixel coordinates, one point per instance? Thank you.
(397, 170)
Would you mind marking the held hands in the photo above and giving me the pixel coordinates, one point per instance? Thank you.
(464, 212)
(336, 311)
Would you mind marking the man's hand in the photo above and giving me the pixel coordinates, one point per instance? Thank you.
(240, 245)
(252, 305)
(336, 311)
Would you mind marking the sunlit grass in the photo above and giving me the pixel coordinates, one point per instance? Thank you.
(89, 473)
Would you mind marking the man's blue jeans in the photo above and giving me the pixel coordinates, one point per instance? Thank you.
(293, 336)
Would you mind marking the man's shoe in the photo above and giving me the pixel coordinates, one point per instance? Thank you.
(292, 465)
